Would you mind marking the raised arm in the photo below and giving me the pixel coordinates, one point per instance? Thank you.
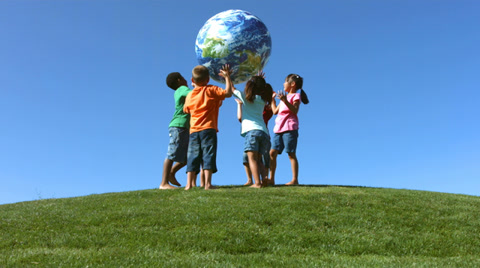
(225, 72)
(273, 105)
(239, 110)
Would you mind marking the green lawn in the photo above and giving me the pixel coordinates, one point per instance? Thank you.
(301, 226)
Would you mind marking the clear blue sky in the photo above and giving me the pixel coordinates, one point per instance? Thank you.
(394, 89)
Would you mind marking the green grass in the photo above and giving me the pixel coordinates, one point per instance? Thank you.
(301, 226)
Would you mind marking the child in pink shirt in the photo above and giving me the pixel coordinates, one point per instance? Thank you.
(286, 125)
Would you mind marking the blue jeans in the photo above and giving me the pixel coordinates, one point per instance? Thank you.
(285, 140)
(202, 150)
(178, 145)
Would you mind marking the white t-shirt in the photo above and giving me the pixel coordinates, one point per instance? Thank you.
(252, 113)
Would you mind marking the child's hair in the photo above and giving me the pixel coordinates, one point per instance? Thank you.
(299, 84)
(173, 80)
(267, 94)
(200, 74)
(255, 86)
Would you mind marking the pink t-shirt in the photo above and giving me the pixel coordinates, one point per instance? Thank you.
(286, 120)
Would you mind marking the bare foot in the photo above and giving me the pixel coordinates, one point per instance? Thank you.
(166, 187)
(293, 182)
(187, 188)
(174, 181)
(211, 187)
(256, 186)
(248, 183)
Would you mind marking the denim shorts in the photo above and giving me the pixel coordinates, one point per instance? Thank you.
(178, 145)
(285, 140)
(202, 150)
(257, 141)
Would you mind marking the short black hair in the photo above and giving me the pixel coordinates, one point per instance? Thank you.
(173, 80)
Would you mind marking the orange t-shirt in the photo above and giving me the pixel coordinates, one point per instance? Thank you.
(203, 104)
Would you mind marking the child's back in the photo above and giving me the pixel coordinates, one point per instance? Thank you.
(203, 105)
(254, 129)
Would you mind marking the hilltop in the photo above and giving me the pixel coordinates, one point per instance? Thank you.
(302, 226)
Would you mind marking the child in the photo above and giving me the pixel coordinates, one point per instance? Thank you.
(203, 105)
(254, 129)
(286, 125)
(267, 114)
(178, 131)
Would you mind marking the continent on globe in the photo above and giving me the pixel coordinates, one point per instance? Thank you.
(214, 48)
(237, 38)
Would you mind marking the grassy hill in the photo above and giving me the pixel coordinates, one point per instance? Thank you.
(302, 226)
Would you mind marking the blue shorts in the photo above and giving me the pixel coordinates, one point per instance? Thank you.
(178, 145)
(202, 148)
(257, 141)
(285, 140)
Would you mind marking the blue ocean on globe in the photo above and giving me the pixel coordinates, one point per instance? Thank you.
(237, 38)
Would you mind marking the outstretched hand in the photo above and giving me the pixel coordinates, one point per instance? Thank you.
(282, 95)
(225, 71)
(261, 74)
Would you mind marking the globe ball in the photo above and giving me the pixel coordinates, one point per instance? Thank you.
(237, 38)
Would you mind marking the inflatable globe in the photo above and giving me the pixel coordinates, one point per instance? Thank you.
(237, 38)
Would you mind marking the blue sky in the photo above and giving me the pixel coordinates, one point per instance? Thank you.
(393, 89)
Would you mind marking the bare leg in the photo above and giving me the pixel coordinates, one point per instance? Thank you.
(176, 167)
(194, 182)
(264, 174)
(167, 166)
(202, 178)
(273, 165)
(253, 162)
(208, 179)
(249, 174)
(294, 163)
(191, 177)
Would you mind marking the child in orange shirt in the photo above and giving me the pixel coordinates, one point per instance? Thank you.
(203, 104)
